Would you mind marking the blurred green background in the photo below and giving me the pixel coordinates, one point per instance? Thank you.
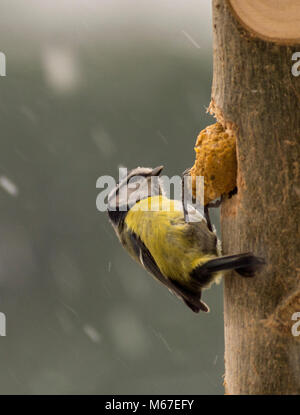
(92, 85)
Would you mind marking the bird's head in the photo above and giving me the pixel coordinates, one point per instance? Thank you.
(140, 183)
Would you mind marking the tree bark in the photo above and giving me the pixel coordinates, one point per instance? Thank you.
(255, 94)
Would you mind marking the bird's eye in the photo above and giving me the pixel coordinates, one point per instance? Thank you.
(134, 179)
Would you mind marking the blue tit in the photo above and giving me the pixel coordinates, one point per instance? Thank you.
(181, 255)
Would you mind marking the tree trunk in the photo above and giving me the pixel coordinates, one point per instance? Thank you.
(255, 94)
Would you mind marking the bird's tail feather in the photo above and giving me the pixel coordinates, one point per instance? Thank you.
(245, 264)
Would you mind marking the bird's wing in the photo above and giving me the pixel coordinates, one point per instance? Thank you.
(144, 256)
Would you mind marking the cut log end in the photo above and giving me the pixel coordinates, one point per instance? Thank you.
(276, 21)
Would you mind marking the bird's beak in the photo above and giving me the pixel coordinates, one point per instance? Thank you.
(156, 171)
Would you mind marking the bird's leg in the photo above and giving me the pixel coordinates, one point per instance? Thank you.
(215, 204)
(206, 211)
(206, 214)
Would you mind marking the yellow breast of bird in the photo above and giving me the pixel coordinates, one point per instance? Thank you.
(175, 245)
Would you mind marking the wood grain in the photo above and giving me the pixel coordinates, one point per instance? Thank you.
(277, 20)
